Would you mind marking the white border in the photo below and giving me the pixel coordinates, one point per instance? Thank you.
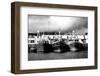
(25, 64)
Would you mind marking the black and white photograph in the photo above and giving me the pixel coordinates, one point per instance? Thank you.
(52, 37)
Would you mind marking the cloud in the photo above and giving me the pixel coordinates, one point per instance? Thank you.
(56, 23)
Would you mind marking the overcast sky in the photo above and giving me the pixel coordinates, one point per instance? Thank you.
(55, 23)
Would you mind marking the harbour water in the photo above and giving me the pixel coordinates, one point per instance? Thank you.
(53, 56)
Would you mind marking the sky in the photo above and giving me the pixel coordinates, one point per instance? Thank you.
(65, 24)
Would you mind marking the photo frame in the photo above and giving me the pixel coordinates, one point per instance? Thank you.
(52, 37)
